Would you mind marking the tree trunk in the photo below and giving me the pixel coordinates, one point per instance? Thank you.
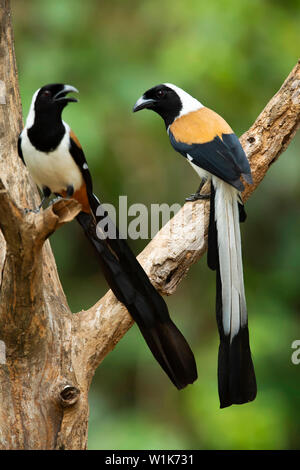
(42, 404)
(47, 354)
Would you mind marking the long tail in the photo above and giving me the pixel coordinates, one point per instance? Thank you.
(236, 376)
(132, 287)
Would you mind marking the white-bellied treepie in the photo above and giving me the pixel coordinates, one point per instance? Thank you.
(214, 151)
(56, 161)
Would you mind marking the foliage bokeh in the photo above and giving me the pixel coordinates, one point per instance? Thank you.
(233, 56)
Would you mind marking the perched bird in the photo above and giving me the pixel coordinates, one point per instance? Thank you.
(214, 151)
(55, 159)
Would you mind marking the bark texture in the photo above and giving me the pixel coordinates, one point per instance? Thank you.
(47, 354)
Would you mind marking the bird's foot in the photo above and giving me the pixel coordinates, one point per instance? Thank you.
(35, 211)
(197, 197)
(54, 200)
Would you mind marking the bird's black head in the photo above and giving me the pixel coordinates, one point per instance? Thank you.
(162, 99)
(44, 124)
(53, 98)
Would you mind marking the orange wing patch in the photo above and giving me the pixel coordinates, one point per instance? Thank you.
(81, 196)
(199, 127)
(73, 137)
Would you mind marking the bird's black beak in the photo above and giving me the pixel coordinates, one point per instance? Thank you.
(61, 95)
(142, 103)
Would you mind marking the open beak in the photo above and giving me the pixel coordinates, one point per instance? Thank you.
(142, 103)
(61, 95)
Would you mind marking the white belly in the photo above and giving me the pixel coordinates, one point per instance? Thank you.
(57, 170)
(202, 173)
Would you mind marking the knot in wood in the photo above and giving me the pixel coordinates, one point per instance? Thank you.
(69, 395)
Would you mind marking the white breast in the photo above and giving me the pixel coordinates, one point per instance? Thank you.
(57, 170)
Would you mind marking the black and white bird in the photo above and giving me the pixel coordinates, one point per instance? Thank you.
(55, 159)
(209, 144)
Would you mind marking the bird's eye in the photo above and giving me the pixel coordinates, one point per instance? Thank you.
(160, 93)
(46, 93)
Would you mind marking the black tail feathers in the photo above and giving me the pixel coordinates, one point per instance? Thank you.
(236, 376)
(172, 352)
(131, 285)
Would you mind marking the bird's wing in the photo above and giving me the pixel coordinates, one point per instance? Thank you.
(207, 140)
(79, 158)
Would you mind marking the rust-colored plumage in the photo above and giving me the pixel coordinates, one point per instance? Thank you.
(80, 196)
(199, 127)
(75, 138)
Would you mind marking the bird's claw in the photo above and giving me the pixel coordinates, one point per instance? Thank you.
(53, 201)
(35, 211)
(197, 197)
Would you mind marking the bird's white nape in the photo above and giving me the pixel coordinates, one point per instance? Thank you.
(31, 113)
(189, 103)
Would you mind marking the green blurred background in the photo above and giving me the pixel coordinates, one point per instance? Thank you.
(233, 56)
